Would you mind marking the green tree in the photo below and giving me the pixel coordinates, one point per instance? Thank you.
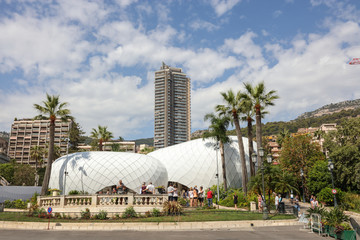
(300, 153)
(75, 137)
(37, 154)
(232, 109)
(344, 149)
(283, 135)
(217, 131)
(7, 171)
(260, 99)
(318, 178)
(24, 175)
(52, 109)
(101, 135)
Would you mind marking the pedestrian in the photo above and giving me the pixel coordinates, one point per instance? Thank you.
(315, 202)
(121, 187)
(297, 205)
(196, 195)
(260, 203)
(150, 188)
(175, 194)
(291, 197)
(276, 202)
(191, 196)
(170, 191)
(143, 188)
(201, 196)
(209, 197)
(235, 200)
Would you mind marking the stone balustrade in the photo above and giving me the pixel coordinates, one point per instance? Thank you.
(102, 201)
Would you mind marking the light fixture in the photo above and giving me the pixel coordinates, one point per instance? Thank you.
(261, 152)
(301, 172)
(254, 157)
(331, 165)
(269, 158)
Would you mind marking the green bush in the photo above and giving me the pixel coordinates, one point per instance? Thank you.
(228, 201)
(18, 203)
(172, 208)
(335, 217)
(85, 214)
(156, 212)
(129, 213)
(351, 201)
(74, 192)
(326, 196)
(102, 215)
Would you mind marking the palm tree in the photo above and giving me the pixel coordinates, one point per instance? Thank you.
(232, 109)
(248, 110)
(102, 135)
(51, 110)
(283, 135)
(260, 99)
(217, 131)
(36, 153)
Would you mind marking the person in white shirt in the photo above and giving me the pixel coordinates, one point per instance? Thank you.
(170, 191)
(276, 202)
(150, 188)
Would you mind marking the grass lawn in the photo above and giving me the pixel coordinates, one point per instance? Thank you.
(189, 216)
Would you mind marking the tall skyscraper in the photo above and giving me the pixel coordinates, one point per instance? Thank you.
(172, 107)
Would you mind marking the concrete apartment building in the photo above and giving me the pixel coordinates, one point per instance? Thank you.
(26, 133)
(172, 107)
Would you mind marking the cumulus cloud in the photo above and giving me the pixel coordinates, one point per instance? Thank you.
(223, 6)
(201, 24)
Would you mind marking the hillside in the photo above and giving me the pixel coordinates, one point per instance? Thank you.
(331, 108)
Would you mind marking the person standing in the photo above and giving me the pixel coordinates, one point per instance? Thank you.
(191, 196)
(260, 203)
(201, 196)
(150, 188)
(170, 191)
(235, 200)
(209, 197)
(195, 203)
(121, 187)
(175, 194)
(276, 202)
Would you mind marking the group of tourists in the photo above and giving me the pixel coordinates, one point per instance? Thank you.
(195, 196)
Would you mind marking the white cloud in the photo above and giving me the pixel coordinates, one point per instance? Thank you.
(223, 6)
(277, 13)
(201, 24)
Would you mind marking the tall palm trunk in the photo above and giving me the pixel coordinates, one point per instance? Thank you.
(251, 147)
(244, 178)
(100, 144)
(222, 153)
(258, 133)
(50, 159)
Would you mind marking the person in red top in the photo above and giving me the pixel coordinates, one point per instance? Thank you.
(209, 197)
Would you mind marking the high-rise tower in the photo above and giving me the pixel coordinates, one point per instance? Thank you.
(172, 107)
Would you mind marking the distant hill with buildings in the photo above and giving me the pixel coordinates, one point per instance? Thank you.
(331, 108)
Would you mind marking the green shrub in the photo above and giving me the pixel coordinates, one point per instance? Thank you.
(102, 215)
(8, 204)
(326, 196)
(156, 212)
(351, 201)
(74, 192)
(182, 201)
(172, 208)
(336, 216)
(85, 214)
(129, 212)
(228, 201)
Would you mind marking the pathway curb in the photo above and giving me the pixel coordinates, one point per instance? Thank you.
(162, 226)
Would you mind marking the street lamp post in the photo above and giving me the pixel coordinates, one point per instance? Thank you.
(217, 173)
(254, 160)
(331, 168)
(302, 182)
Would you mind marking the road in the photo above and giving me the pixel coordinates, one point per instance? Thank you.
(276, 233)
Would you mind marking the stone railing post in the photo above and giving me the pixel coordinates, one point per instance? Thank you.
(130, 199)
(38, 200)
(62, 201)
(94, 200)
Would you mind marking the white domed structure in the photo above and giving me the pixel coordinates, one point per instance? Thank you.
(194, 162)
(92, 171)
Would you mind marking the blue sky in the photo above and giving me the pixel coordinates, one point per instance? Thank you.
(100, 56)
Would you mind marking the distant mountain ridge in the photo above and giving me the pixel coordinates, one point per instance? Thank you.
(331, 108)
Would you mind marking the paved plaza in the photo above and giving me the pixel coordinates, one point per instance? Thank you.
(261, 233)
